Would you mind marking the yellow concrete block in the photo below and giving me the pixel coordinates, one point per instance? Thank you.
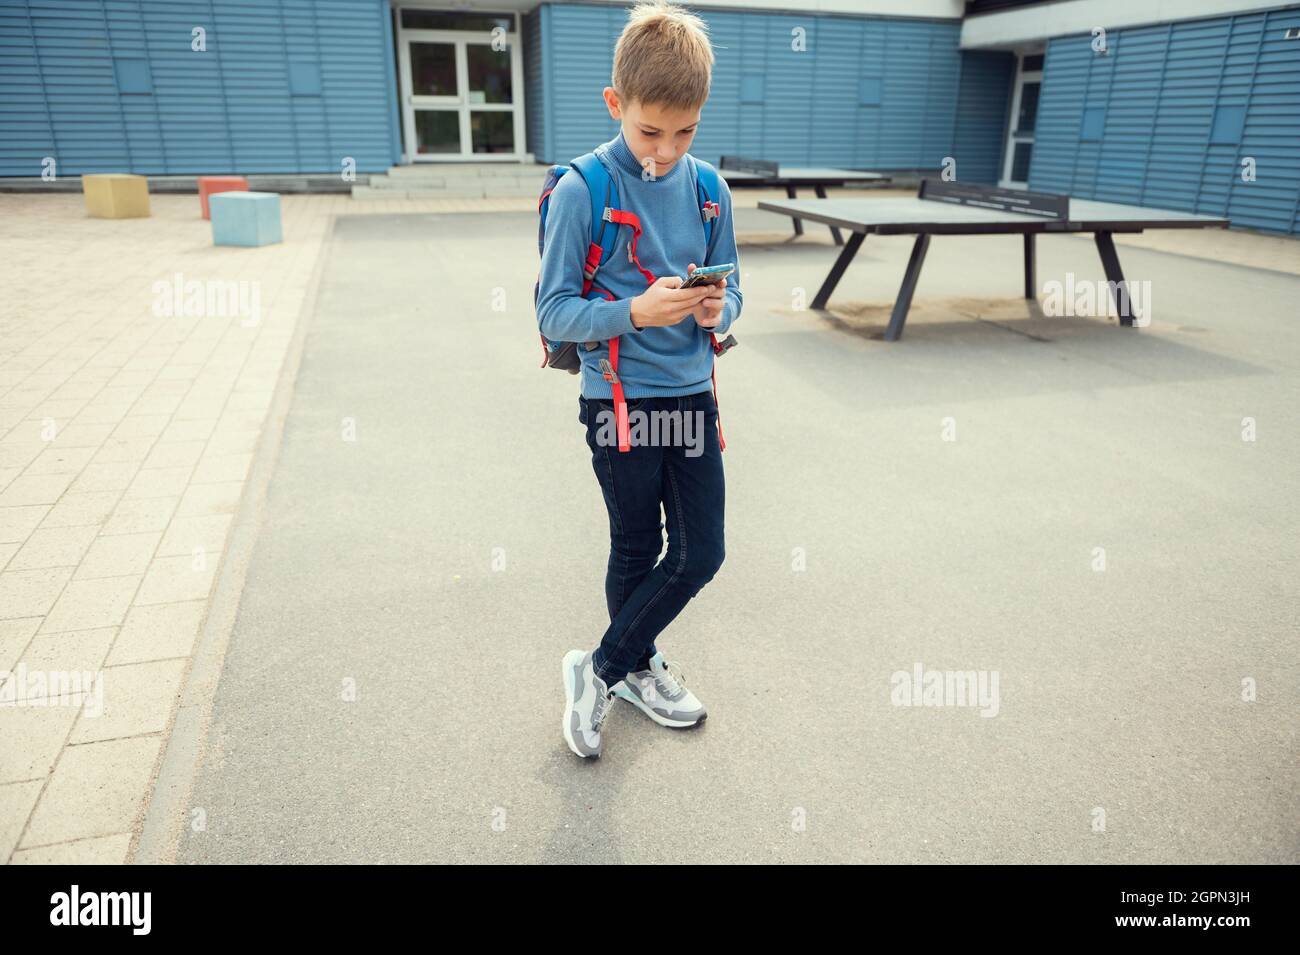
(116, 195)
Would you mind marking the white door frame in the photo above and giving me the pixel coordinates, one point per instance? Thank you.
(1013, 135)
(410, 102)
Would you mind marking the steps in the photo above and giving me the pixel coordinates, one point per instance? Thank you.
(289, 182)
(455, 181)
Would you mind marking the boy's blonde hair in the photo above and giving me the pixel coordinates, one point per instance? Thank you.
(663, 57)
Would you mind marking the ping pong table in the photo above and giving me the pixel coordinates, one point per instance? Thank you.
(950, 208)
(739, 171)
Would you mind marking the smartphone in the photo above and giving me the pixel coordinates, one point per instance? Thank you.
(709, 275)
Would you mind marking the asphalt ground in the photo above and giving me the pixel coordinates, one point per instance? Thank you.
(939, 502)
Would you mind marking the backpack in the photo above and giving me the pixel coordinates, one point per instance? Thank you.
(606, 218)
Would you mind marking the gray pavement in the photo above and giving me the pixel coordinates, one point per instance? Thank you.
(1120, 689)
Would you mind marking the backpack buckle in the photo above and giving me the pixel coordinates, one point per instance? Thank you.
(610, 374)
(710, 210)
(608, 214)
(726, 343)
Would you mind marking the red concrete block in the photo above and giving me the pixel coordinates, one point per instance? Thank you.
(209, 185)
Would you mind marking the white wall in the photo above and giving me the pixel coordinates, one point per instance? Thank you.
(1035, 24)
(945, 9)
(948, 9)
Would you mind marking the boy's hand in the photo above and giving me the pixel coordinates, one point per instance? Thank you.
(712, 304)
(666, 302)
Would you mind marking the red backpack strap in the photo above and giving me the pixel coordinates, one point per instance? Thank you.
(609, 367)
(623, 217)
(713, 375)
(591, 266)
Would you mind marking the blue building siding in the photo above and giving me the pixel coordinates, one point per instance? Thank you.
(284, 86)
(983, 102)
(1168, 115)
(534, 84)
(866, 92)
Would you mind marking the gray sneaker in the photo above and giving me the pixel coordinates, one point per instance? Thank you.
(587, 701)
(661, 695)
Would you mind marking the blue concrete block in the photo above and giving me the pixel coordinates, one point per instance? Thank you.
(245, 218)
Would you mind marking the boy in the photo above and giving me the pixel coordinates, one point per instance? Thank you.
(662, 69)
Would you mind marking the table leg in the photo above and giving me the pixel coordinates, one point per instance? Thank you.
(1114, 276)
(904, 301)
(1031, 267)
(835, 232)
(792, 193)
(837, 270)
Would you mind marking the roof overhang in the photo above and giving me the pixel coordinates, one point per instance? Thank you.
(1032, 24)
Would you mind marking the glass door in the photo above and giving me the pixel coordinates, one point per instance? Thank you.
(461, 100)
(1024, 117)
(490, 96)
(434, 99)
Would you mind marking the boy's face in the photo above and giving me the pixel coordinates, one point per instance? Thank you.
(661, 134)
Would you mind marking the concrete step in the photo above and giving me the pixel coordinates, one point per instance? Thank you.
(451, 170)
(454, 182)
(258, 182)
(367, 193)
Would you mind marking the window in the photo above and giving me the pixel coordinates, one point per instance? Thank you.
(1020, 161)
(450, 20)
(492, 132)
(1028, 113)
(489, 73)
(433, 69)
(437, 131)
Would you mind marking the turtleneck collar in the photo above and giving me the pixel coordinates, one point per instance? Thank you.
(627, 160)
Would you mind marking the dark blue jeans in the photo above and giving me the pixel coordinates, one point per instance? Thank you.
(674, 465)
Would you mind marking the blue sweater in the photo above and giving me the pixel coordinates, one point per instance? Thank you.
(657, 360)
